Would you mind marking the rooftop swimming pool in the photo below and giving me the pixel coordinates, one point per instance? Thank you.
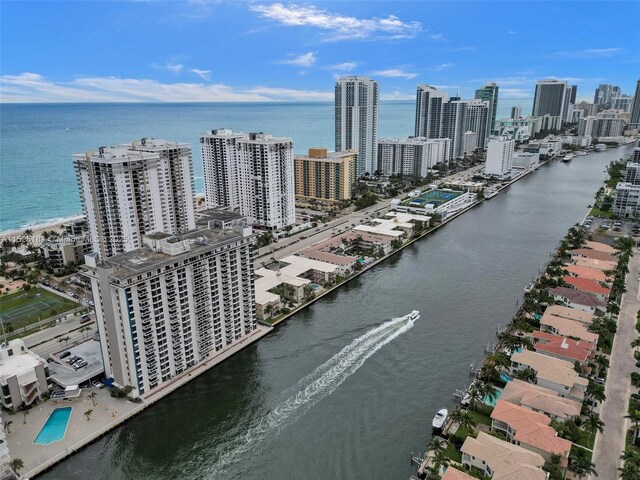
(55, 427)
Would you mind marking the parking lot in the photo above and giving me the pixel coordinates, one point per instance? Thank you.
(613, 228)
(65, 375)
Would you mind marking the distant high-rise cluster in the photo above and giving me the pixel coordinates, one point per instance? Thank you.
(635, 111)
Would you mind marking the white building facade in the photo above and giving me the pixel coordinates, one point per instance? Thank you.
(412, 156)
(499, 156)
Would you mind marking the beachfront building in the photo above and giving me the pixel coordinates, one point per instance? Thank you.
(552, 373)
(24, 376)
(499, 157)
(325, 178)
(356, 119)
(429, 107)
(540, 399)
(135, 189)
(412, 156)
(496, 458)
(578, 299)
(563, 348)
(65, 250)
(251, 173)
(442, 201)
(530, 430)
(489, 93)
(549, 98)
(164, 309)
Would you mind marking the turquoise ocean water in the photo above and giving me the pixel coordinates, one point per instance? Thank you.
(37, 181)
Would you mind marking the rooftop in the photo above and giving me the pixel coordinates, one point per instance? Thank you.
(568, 328)
(595, 254)
(453, 473)
(576, 350)
(16, 360)
(323, 155)
(540, 398)
(601, 247)
(578, 297)
(568, 312)
(551, 369)
(593, 263)
(435, 198)
(505, 459)
(586, 285)
(65, 375)
(588, 273)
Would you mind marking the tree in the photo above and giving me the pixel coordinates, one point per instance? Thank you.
(475, 394)
(93, 396)
(554, 467)
(596, 391)
(84, 329)
(634, 416)
(631, 467)
(16, 465)
(24, 419)
(489, 391)
(7, 426)
(636, 343)
(435, 444)
(528, 374)
(88, 414)
(66, 340)
(594, 424)
(463, 419)
(580, 463)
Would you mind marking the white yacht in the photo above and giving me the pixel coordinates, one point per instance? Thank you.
(440, 419)
(567, 158)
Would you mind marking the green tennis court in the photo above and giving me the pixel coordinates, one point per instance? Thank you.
(37, 302)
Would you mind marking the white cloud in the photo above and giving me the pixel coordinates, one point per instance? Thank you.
(344, 66)
(32, 88)
(436, 37)
(515, 93)
(512, 32)
(174, 67)
(339, 27)
(203, 74)
(305, 60)
(590, 53)
(444, 66)
(394, 73)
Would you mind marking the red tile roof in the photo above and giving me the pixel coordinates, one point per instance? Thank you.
(588, 273)
(586, 285)
(595, 254)
(575, 350)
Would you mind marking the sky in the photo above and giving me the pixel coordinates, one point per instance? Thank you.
(225, 51)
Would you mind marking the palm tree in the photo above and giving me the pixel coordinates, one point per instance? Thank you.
(16, 465)
(88, 414)
(463, 419)
(435, 444)
(554, 467)
(92, 396)
(636, 343)
(7, 426)
(489, 391)
(594, 424)
(84, 329)
(25, 413)
(66, 340)
(475, 394)
(440, 458)
(581, 464)
(528, 374)
(596, 391)
(634, 416)
(631, 468)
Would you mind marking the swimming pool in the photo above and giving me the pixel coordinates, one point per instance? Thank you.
(505, 377)
(492, 401)
(55, 427)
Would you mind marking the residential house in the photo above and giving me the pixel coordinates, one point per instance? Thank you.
(563, 348)
(567, 328)
(598, 264)
(588, 273)
(452, 473)
(540, 399)
(569, 313)
(578, 299)
(588, 286)
(581, 253)
(601, 247)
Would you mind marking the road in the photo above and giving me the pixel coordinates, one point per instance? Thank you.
(610, 444)
(46, 341)
(294, 243)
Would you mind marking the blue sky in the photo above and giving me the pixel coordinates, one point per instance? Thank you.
(205, 50)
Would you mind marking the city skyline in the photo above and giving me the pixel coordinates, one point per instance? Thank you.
(231, 51)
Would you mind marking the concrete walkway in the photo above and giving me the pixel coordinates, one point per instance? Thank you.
(610, 444)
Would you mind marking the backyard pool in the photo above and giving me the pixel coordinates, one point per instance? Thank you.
(55, 427)
(505, 377)
(491, 401)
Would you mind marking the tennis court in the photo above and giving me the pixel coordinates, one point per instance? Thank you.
(432, 197)
(37, 302)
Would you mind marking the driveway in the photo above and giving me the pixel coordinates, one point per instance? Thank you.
(610, 444)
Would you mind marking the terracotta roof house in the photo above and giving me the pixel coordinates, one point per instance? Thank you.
(502, 460)
(552, 373)
(580, 253)
(529, 429)
(540, 399)
(601, 247)
(589, 286)
(578, 299)
(567, 328)
(563, 348)
(588, 273)
(569, 313)
(454, 474)
(592, 263)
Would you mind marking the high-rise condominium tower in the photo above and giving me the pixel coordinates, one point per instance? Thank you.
(429, 107)
(134, 189)
(252, 173)
(549, 98)
(489, 93)
(356, 119)
(635, 110)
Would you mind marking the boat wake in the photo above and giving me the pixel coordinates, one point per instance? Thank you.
(323, 381)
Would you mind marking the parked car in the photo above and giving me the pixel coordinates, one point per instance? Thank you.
(97, 384)
(64, 354)
(85, 318)
(638, 364)
(590, 401)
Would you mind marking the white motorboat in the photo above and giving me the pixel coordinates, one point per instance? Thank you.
(601, 147)
(528, 288)
(440, 419)
(567, 158)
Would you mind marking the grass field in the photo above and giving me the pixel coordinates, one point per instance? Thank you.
(22, 308)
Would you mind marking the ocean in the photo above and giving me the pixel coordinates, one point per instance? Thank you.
(37, 180)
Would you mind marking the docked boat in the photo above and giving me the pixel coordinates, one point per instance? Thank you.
(567, 158)
(582, 153)
(601, 147)
(528, 288)
(440, 419)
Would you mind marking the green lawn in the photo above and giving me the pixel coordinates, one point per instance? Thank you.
(22, 308)
(452, 453)
(479, 418)
(596, 212)
(586, 439)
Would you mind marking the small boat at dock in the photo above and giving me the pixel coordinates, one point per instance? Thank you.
(440, 419)
(601, 147)
(528, 288)
(567, 158)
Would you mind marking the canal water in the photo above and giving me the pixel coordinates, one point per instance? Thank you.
(340, 391)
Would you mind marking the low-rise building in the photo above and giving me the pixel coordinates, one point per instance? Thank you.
(589, 286)
(6, 473)
(530, 430)
(540, 399)
(394, 224)
(568, 313)
(563, 348)
(452, 473)
(24, 376)
(501, 460)
(581, 300)
(65, 250)
(442, 201)
(552, 373)
(525, 161)
(565, 327)
(602, 247)
(499, 157)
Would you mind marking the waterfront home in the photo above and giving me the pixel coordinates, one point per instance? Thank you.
(452, 473)
(342, 250)
(601, 247)
(563, 348)
(530, 430)
(24, 376)
(501, 460)
(567, 328)
(578, 299)
(588, 286)
(540, 399)
(569, 313)
(552, 373)
(588, 273)
(582, 253)
(593, 263)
